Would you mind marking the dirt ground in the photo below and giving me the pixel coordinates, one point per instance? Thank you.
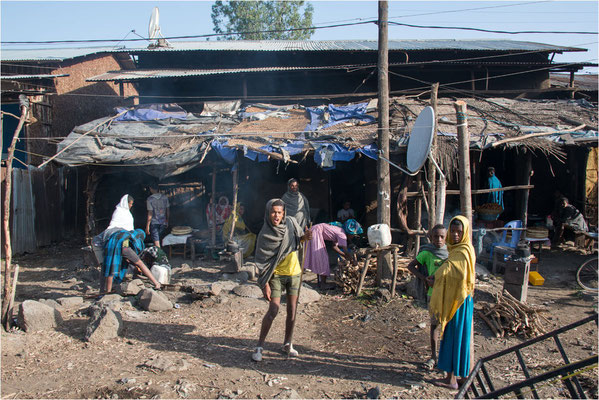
(347, 346)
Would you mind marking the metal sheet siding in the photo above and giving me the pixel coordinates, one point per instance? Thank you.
(23, 220)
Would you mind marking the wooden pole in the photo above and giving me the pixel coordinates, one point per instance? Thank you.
(383, 177)
(12, 295)
(213, 210)
(432, 171)
(235, 190)
(524, 194)
(464, 159)
(418, 215)
(6, 295)
(90, 191)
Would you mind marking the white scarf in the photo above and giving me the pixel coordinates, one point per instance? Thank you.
(122, 217)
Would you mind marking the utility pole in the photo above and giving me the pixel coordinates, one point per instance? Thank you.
(464, 158)
(383, 177)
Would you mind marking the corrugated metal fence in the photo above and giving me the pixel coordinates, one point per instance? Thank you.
(44, 207)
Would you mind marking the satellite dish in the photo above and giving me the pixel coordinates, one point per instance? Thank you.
(154, 27)
(419, 143)
(421, 138)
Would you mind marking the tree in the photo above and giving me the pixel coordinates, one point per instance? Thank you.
(260, 16)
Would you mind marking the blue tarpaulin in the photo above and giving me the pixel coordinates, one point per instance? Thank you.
(151, 112)
(228, 154)
(323, 117)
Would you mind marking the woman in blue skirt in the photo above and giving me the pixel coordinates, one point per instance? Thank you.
(451, 302)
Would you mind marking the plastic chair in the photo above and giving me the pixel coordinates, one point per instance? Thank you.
(513, 241)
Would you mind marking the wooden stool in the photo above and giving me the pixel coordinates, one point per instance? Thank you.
(378, 251)
(172, 249)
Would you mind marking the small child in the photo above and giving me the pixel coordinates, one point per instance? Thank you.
(431, 256)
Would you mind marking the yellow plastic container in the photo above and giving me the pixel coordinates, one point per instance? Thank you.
(535, 278)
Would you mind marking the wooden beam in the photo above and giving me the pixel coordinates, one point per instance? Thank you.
(464, 160)
(479, 191)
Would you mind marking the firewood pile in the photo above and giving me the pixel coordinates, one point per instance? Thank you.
(510, 317)
(348, 276)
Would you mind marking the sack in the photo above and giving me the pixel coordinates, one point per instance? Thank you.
(162, 274)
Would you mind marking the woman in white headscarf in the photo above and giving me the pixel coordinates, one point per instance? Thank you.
(122, 217)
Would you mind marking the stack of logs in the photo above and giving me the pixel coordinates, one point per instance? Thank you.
(512, 317)
(348, 276)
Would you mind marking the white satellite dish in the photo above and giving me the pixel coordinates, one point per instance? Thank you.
(154, 27)
(419, 143)
(421, 139)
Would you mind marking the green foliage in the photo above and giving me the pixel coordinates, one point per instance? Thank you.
(259, 16)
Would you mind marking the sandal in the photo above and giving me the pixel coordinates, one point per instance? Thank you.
(289, 350)
(257, 354)
(430, 364)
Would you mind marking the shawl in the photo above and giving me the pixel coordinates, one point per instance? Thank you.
(113, 251)
(436, 251)
(495, 197)
(454, 280)
(239, 223)
(274, 244)
(297, 206)
(122, 217)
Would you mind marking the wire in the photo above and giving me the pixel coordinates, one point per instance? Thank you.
(491, 30)
(372, 21)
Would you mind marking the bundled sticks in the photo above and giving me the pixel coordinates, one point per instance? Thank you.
(347, 276)
(510, 317)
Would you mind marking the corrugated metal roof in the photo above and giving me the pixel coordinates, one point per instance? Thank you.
(50, 54)
(357, 45)
(60, 54)
(25, 77)
(138, 74)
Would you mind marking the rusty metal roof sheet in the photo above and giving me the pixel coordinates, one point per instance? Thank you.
(26, 77)
(138, 74)
(356, 45)
(56, 54)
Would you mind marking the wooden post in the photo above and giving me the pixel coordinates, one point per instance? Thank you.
(524, 194)
(418, 214)
(383, 177)
(90, 191)
(213, 210)
(464, 159)
(432, 171)
(235, 190)
(6, 295)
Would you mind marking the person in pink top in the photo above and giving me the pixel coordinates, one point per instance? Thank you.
(317, 259)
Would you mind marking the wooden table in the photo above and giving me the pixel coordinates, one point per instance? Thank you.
(378, 251)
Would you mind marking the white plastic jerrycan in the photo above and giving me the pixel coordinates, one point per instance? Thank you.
(379, 235)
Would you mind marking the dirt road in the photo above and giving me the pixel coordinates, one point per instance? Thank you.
(202, 349)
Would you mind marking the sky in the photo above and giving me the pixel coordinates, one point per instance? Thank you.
(85, 20)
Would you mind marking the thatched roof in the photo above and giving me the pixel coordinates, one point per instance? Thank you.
(269, 130)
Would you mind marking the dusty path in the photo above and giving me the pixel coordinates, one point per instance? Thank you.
(346, 346)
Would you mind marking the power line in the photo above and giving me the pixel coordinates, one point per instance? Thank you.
(491, 30)
(373, 21)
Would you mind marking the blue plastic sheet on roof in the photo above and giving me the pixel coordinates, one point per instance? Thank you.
(228, 154)
(152, 112)
(333, 115)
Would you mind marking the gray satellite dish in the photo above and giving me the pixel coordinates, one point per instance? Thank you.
(421, 138)
(419, 143)
(154, 27)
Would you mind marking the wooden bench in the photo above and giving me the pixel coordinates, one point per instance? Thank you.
(378, 251)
